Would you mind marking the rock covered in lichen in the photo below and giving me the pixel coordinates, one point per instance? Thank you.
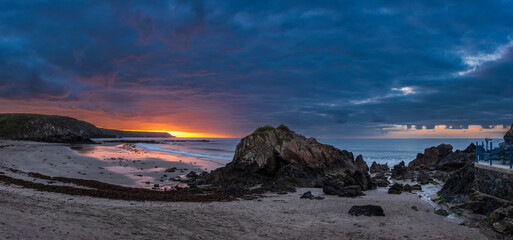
(280, 155)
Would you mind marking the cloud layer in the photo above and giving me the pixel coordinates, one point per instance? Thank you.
(326, 68)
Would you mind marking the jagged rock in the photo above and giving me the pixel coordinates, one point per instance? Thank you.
(430, 157)
(400, 171)
(459, 185)
(173, 169)
(501, 220)
(484, 203)
(416, 187)
(443, 158)
(379, 168)
(366, 210)
(361, 164)
(456, 160)
(280, 155)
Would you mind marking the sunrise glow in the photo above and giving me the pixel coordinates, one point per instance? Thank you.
(444, 131)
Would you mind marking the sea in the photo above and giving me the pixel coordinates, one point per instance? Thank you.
(390, 151)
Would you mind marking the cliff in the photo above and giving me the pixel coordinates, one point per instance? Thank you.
(52, 128)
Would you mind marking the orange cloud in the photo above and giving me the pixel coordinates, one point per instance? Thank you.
(444, 131)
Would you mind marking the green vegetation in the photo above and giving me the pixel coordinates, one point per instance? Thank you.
(282, 140)
(264, 129)
(10, 123)
(434, 182)
(439, 199)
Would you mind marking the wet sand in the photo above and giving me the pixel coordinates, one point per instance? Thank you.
(30, 214)
(110, 163)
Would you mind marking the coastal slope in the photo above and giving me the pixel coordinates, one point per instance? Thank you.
(53, 128)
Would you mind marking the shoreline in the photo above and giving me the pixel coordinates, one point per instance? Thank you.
(261, 217)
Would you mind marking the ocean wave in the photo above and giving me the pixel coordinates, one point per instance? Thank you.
(156, 147)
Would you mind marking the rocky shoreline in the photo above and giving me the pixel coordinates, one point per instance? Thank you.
(279, 161)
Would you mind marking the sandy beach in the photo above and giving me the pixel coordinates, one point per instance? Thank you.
(30, 214)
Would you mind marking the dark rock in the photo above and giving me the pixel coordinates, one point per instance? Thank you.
(396, 188)
(400, 171)
(442, 212)
(407, 188)
(309, 195)
(443, 158)
(343, 191)
(424, 177)
(366, 210)
(485, 204)
(61, 129)
(431, 156)
(378, 168)
(415, 208)
(173, 169)
(361, 164)
(501, 220)
(280, 155)
(460, 185)
(416, 187)
(380, 180)
(456, 160)
(192, 175)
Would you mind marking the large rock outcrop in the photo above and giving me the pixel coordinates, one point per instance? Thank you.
(51, 128)
(281, 156)
(443, 158)
(430, 157)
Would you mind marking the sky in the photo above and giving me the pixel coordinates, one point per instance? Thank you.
(219, 68)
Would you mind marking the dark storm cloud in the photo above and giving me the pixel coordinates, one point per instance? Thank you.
(330, 68)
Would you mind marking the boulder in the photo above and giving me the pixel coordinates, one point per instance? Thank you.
(379, 168)
(396, 188)
(341, 185)
(484, 203)
(309, 195)
(280, 155)
(401, 171)
(366, 210)
(501, 220)
(430, 158)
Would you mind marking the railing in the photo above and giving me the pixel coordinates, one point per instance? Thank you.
(501, 155)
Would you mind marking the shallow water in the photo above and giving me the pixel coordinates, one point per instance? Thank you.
(391, 151)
